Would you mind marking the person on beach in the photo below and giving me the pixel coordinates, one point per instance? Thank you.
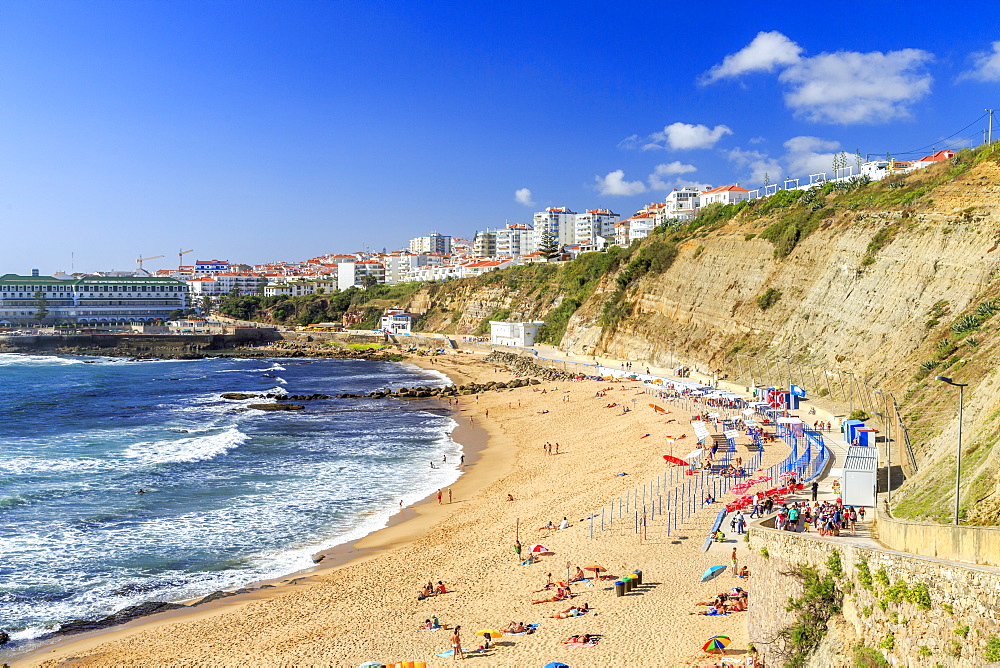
(449, 495)
(456, 644)
(517, 549)
(564, 524)
(439, 497)
(735, 564)
(510, 497)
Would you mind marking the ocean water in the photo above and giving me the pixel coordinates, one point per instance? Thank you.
(232, 495)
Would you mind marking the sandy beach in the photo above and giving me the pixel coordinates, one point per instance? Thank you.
(361, 603)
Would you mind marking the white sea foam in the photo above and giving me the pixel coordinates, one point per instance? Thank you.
(191, 449)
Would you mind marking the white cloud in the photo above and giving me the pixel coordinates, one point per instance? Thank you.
(756, 164)
(686, 136)
(677, 137)
(844, 87)
(850, 87)
(523, 196)
(986, 65)
(656, 181)
(806, 155)
(767, 51)
(614, 183)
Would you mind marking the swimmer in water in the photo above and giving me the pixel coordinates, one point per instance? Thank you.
(141, 491)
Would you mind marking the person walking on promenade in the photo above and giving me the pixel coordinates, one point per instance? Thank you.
(815, 489)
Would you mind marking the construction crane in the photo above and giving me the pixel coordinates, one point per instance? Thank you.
(180, 257)
(143, 259)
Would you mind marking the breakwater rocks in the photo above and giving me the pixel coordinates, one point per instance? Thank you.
(523, 365)
(446, 391)
(422, 392)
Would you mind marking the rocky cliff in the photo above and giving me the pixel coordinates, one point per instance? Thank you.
(881, 287)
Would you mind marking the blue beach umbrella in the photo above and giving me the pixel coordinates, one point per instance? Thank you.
(372, 664)
(711, 573)
(556, 664)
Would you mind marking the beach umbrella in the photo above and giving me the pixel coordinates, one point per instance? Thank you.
(493, 633)
(372, 664)
(675, 460)
(555, 664)
(716, 644)
(787, 474)
(539, 548)
(597, 568)
(712, 572)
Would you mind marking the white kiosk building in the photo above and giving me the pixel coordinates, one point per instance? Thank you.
(521, 334)
(860, 475)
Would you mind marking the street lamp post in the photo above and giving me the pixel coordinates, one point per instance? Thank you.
(958, 460)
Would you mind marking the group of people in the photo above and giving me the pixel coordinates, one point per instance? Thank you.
(430, 589)
(550, 448)
(735, 600)
(819, 425)
(828, 518)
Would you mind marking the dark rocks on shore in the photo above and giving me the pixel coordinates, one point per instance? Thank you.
(120, 617)
(277, 407)
(241, 396)
(4, 638)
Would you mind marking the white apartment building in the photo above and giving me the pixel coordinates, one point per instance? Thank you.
(559, 222)
(398, 266)
(300, 287)
(432, 243)
(220, 284)
(485, 244)
(682, 204)
(515, 239)
(206, 267)
(90, 300)
(353, 273)
(724, 195)
(595, 223)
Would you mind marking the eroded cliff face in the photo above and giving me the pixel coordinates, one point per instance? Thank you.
(874, 291)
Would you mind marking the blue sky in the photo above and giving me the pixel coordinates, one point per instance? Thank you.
(256, 131)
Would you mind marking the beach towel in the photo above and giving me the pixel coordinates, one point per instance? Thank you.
(451, 651)
(593, 643)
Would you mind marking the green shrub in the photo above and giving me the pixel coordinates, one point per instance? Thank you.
(948, 608)
(834, 564)
(962, 631)
(864, 574)
(919, 595)
(992, 651)
(858, 414)
(770, 297)
(924, 651)
(888, 642)
(868, 657)
(764, 553)
(881, 577)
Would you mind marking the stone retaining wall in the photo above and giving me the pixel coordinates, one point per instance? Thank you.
(963, 598)
(972, 544)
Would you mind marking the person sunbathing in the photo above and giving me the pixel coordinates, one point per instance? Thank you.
(744, 572)
(440, 589)
(551, 599)
(578, 576)
(515, 627)
(572, 611)
(717, 609)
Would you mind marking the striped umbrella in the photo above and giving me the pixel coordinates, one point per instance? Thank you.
(716, 644)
